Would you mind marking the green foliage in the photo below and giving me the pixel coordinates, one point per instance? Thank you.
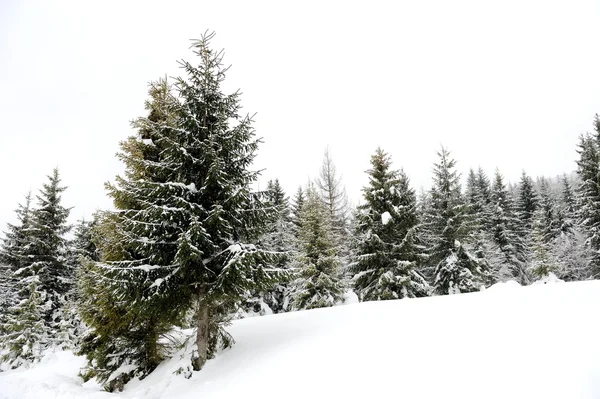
(319, 282)
(25, 332)
(40, 275)
(184, 215)
(388, 250)
(508, 244)
(449, 227)
(588, 169)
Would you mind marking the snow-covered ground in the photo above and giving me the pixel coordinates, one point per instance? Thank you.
(506, 342)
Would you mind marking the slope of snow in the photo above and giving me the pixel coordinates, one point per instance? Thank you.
(505, 342)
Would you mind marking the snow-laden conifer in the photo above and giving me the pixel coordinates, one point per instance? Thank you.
(319, 280)
(388, 250)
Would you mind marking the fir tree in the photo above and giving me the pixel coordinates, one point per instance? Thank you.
(546, 216)
(455, 268)
(588, 169)
(43, 277)
(82, 245)
(185, 215)
(297, 204)
(279, 237)
(25, 332)
(566, 211)
(319, 282)
(388, 252)
(16, 244)
(49, 222)
(527, 203)
(14, 255)
(542, 264)
(509, 246)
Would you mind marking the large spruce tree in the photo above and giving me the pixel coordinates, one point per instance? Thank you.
(388, 251)
(185, 215)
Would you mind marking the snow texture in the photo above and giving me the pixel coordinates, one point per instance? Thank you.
(378, 350)
(385, 218)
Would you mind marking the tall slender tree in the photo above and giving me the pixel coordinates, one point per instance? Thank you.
(508, 245)
(588, 169)
(455, 268)
(319, 283)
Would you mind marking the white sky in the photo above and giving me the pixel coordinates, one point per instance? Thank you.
(507, 83)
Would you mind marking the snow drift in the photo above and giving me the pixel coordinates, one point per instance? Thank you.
(506, 342)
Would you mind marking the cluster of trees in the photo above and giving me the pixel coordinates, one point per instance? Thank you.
(190, 244)
(37, 270)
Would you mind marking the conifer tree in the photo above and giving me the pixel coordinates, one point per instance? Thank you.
(319, 282)
(509, 246)
(279, 237)
(37, 251)
(483, 186)
(547, 214)
(185, 217)
(14, 255)
(542, 263)
(456, 270)
(82, 245)
(25, 334)
(588, 169)
(297, 204)
(472, 197)
(16, 244)
(527, 203)
(388, 252)
(569, 247)
(566, 208)
(49, 222)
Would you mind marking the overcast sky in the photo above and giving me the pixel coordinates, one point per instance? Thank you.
(507, 83)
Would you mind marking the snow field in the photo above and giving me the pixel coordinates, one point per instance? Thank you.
(505, 342)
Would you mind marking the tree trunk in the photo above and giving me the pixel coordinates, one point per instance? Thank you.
(201, 333)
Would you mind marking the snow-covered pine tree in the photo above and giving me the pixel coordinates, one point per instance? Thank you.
(184, 216)
(319, 283)
(569, 246)
(388, 252)
(526, 204)
(566, 208)
(588, 194)
(509, 260)
(26, 334)
(82, 245)
(456, 270)
(478, 199)
(14, 254)
(546, 215)
(51, 263)
(43, 278)
(279, 237)
(472, 197)
(16, 244)
(542, 263)
(297, 204)
(49, 223)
